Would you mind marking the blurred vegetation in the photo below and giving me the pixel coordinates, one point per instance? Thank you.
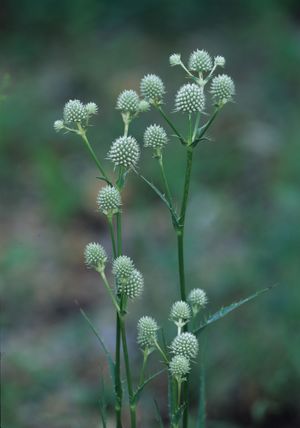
(245, 192)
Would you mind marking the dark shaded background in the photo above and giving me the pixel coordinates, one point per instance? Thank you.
(243, 221)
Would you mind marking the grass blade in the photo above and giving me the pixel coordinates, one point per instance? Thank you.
(138, 392)
(158, 415)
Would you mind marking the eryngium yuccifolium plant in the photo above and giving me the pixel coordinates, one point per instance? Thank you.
(197, 299)
(125, 152)
(155, 136)
(128, 101)
(185, 344)
(133, 286)
(75, 112)
(179, 367)
(180, 311)
(152, 88)
(147, 332)
(122, 267)
(222, 89)
(109, 200)
(190, 99)
(95, 256)
(200, 61)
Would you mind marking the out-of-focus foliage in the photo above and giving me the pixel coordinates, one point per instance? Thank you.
(245, 188)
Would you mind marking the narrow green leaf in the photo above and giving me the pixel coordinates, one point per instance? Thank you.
(171, 396)
(162, 197)
(110, 361)
(102, 405)
(158, 415)
(201, 418)
(178, 414)
(227, 309)
(104, 179)
(139, 390)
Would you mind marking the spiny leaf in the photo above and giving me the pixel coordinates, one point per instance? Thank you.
(227, 309)
(139, 390)
(159, 418)
(110, 361)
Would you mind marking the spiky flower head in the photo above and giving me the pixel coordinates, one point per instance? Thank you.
(185, 344)
(219, 61)
(155, 136)
(197, 299)
(128, 101)
(200, 61)
(95, 256)
(175, 59)
(58, 125)
(122, 267)
(180, 311)
(91, 108)
(124, 151)
(109, 200)
(75, 112)
(144, 106)
(179, 367)
(133, 286)
(147, 332)
(190, 98)
(222, 89)
(152, 88)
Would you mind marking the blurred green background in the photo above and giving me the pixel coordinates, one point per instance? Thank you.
(243, 221)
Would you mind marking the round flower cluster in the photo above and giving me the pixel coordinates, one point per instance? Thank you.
(130, 281)
(200, 61)
(125, 152)
(197, 299)
(175, 59)
(95, 256)
(155, 136)
(180, 311)
(179, 367)
(152, 88)
(147, 332)
(185, 344)
(219, 61)
(91, 108)
(109, 200)
(58, 125)
(222, 89)
(190, 98)
(128, 101)
(75, 112)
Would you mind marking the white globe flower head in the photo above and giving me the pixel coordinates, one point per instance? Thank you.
(175, 59)
(122, 268)
(144, 106)
(109, 200)
(132, 286)
(75, 112)
(147, 332)
(190, 98)
(179, 367)
(180, 311)
(91, 108)
(58, 125)
(185, 344)
(197, 299)
(200, 61)
(222, 89)
(155, 136)
(125, 152)
(219, 61)
(95, 256)
(152, 88)
(128, 101)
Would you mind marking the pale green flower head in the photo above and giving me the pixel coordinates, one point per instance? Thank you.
(109, 200)
(152, 88)
(155, 136)
(95, 256)
(125, 152)
(190, 98)
(185, 344)
(222, 89)
(147, 332)
(128, 101)
(75, 112)
(200, 61)
(179, 367)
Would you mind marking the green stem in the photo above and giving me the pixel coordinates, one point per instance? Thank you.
(128, 374)
(161, 352)
(165, 180)
(112, 235)
(110, 292)
(172, 126)
(142, 376)
(119, 234)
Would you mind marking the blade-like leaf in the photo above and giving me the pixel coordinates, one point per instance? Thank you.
(162, 197)
(158, 415)
(136, 395)
(104, 179)
(227, 309)
(171, 396)
(110, 361)
(201, 418)
(178, 414)
(102, 405)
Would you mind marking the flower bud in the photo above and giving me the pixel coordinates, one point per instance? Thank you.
(95, 256)
(122, 267)
(222, 89)
(74, 112)
(155, 136)
(190, 98)
(125, 152)
(175, 59)
(180, 311)
(91, 108)
(128, 101)
(58, 125)
(197, 299)
(179, 367)
(144, 106)
(219, 61)
(200, 61)
(152, 88)
(147, 332)
(185, 344)
(109, 200)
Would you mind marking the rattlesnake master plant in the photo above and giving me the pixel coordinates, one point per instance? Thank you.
(199, 101)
